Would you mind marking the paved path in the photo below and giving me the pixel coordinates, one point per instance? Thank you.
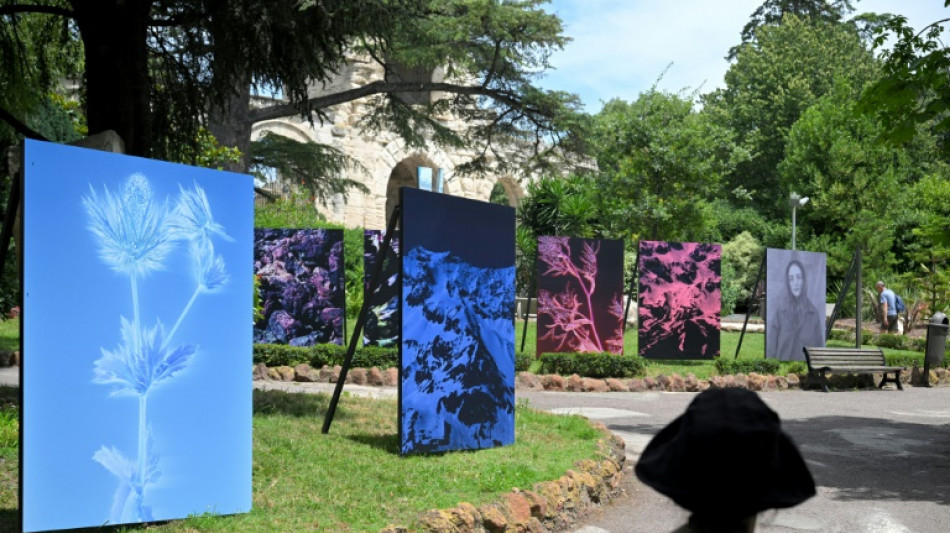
(881, 458)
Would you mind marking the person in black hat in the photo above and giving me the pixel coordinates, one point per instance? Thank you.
(698, 461)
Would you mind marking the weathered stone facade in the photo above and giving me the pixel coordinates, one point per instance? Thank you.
(386, 163)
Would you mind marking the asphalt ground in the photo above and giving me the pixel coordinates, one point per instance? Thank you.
(880, 458)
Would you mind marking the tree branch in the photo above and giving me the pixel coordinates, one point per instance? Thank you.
(20, 127)
(931, 25)
(27, 8)
(377, 87)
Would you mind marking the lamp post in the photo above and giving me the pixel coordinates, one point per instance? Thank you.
(795, 200)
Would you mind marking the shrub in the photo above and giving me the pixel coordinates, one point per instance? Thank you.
(741, 257)
(725, 366)
(795, 367)
(324, 354)
(895, 342)
(523, 361)
(593, 365)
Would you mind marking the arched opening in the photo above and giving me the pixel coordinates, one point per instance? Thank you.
(404, 175)
(506, 191)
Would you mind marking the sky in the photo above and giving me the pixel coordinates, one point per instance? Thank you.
(621, 48)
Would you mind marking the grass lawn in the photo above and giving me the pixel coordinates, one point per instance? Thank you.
(353, 479)
(10, 334)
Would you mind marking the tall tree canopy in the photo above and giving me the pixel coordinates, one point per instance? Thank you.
(156, 71)
(773, 81)
(660, 161)
(771, 12)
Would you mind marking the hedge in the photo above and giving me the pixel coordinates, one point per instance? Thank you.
(593, 365)
(332, 354)
(324, 354)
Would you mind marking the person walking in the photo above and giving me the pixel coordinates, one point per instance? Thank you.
(888, 302)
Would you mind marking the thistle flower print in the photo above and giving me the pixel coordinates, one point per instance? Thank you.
(141, 361)
(136, 235)
(192, 217)
(133, 230)
(209, 267)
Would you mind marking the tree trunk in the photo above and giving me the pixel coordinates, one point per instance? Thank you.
(114, 34)
(229, 124)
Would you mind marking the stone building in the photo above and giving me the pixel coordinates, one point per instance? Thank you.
(387, 164)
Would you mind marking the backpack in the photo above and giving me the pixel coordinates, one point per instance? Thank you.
(899, 304)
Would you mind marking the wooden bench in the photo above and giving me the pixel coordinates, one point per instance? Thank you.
(824, 361)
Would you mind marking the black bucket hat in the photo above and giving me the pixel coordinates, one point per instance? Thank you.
(726, 457)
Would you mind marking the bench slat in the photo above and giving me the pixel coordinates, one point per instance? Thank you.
(822, 360)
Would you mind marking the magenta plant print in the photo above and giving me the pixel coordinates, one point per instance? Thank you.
(580, 295)
(679, 300)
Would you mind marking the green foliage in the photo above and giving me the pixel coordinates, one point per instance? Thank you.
(498, 194)
(207, 152)
(741, 259)
(772, 12)
(258, 306)
(729, 289)
(593, 365)
(36, 52)
(912, 92)
(295, 212)
(777, 76)
(659, 161)
(728, 365)
(318, 168)
(324, 354)
(554, 206)
(796, 367)
(924, 250)
(523, 361)
(853, 182)
(353, 263)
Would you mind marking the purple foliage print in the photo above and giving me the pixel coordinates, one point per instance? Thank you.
(301, 283)
(580, 294)
(679, 300)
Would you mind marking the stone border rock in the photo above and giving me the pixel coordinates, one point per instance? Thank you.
(9, 358)
(548, 506)
(575, 383)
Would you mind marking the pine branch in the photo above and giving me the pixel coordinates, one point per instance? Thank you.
(20, 127)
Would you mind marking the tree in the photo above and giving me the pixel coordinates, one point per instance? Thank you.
(857, 185)
(36, 52)
(913, 88)
(772, 11)
(773, 81)
(156, 72)
(554, 206)
(659, 162)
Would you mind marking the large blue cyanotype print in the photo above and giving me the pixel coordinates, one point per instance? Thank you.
(457, 353)
(137, 339)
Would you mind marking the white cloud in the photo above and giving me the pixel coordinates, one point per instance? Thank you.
(620, 48)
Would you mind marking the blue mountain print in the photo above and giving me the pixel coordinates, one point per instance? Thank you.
(458, 354)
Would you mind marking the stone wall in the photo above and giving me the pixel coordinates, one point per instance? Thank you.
(386, 162)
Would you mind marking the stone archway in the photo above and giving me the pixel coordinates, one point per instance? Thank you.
(404, 175)
(511, 189)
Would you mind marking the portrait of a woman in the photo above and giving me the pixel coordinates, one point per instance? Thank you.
(795, 319)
